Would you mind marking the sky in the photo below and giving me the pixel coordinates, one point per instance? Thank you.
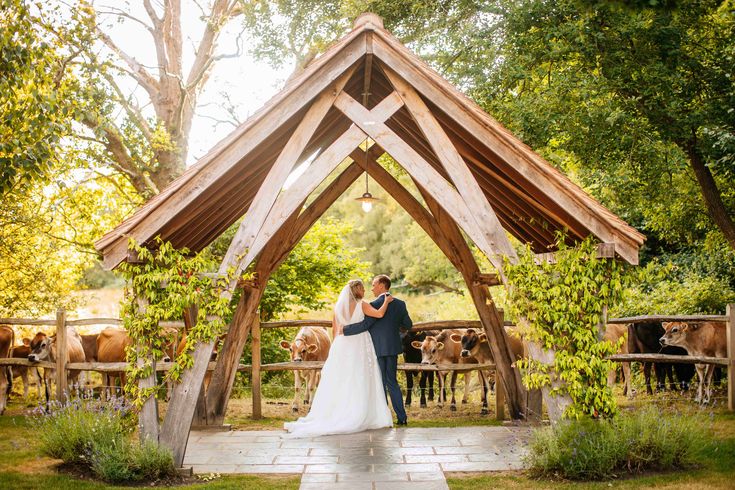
(246, 82)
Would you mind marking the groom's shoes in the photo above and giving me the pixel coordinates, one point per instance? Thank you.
(404, 422)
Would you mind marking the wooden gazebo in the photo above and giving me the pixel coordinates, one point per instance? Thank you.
(473, 176)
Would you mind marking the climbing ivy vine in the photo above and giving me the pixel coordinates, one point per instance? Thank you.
(168, 280)
(563, 303)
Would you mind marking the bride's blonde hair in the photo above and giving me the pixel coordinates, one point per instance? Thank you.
(355, 286)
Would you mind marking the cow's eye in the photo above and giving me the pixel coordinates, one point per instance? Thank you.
(675, 330)
(433, 350)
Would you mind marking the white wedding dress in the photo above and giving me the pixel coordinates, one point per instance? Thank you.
(350, 396)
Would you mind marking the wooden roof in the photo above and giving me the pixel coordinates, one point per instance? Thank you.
(532, 200)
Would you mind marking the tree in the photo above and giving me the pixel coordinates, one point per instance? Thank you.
(146, 141)
(37, 97)
(632, 98)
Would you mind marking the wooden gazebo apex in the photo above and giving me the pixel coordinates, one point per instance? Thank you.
(473, 176)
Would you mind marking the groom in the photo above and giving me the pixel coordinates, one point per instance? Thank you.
(386, 336)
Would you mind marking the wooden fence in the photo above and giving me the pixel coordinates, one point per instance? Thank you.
(256, 368)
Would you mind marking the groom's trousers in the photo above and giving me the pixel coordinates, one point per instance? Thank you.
(388, 367)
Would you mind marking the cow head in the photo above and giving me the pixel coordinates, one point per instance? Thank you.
(430, 349)
(675, 333)
(470, 341)
(42, 348)
(298, 348)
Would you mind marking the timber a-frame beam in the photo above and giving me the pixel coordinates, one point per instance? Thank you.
(289, 200)
(271, 257)
(443, 230)
(419, 169)
(390, 53)
(275, 179)
(456, 168)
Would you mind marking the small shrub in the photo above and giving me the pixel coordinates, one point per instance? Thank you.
(71, 431)
(631, 443)
(151, 461)
(112, 462)
(98, 435)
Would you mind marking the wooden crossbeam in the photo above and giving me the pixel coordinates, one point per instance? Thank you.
(289, 200)
(279, 172)
(456, 168)
(417, 167)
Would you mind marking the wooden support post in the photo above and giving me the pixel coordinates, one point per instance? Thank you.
(499, 398)
(62, 387)
(223, 376)
(257, 407)
(175, 430)
(148, 416)
(730, 313)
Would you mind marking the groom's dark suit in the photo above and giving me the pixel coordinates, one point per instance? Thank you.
(386, 336)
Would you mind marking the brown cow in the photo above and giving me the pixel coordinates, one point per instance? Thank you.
(441, 349)
(111, 345)
(705, 339)
(7, 340)
(613, 333)
(22, 352)
(43, 348)
(475, 345)
(310, 344)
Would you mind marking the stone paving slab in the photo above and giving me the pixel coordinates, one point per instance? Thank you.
(390, 459)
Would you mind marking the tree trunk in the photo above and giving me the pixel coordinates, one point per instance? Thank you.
(710, 192)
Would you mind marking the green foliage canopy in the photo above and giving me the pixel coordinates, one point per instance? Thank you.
(37, 97)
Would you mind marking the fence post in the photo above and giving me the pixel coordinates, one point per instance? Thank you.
(61, 356)
(257, 409)
(730, 312)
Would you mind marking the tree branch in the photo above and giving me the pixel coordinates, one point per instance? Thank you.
(138, 72)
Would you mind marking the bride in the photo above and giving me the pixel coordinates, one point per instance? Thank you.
(350, 396)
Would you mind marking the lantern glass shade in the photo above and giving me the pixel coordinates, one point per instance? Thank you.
(367, 201)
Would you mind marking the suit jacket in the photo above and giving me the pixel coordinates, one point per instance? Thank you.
(386, 331)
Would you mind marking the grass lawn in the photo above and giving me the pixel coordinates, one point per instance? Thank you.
(23, 467)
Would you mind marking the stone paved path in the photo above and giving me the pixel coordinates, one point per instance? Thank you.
(373, 460)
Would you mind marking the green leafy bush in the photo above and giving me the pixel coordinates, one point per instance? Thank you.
(589, 449)
(132, 462)
(98, 435)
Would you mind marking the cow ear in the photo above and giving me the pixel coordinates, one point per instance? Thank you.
(26, 342)
(416, 344)
(311, 348)
(482, 337)
(440, 345)
(456, 337)
(285, 345)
